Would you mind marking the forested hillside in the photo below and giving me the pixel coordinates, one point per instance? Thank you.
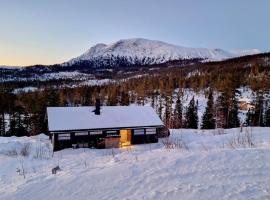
(164, 88)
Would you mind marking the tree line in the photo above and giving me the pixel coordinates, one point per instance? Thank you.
(25, 113)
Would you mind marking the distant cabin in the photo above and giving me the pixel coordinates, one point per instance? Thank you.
(246, 104)
(102, 127)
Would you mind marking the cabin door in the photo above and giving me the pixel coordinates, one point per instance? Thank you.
(125, 138)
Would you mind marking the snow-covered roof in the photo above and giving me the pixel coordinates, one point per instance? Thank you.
(83, 118)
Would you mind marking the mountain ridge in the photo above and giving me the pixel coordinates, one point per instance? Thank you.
(146, 52)
(140, 51)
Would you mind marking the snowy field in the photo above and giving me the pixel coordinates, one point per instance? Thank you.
(191, 164)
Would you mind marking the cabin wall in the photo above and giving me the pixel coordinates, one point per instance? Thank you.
(101, 138)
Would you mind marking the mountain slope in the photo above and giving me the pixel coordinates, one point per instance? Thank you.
(245, 52)
(145, 52)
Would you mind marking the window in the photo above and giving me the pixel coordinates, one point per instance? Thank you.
(112, 133)
(150, 131)
(95, 132)
(139, 132)
(81, 134)
(65, 136)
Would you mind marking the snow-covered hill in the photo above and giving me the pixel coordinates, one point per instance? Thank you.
(146, 52)
(245, 52)
(9, 67)
(201, 165)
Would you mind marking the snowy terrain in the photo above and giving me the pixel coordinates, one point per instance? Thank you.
(144, 51)
(9, 67)
(193, 164)
(244, 52)
(148, 52)
(123, 55)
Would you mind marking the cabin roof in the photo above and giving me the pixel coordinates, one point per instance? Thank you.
(83, 118)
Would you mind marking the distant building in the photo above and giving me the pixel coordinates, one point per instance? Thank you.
(102, 127)
(245, 104)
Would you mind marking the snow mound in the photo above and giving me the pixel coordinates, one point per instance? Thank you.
(25, 146)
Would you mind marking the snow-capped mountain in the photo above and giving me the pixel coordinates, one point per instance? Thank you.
(129, 55)
(145, 52)
(245, 52)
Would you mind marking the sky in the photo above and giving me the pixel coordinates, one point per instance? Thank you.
(54, 31)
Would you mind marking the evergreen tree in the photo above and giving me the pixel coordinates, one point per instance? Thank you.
(258, 111)
(178, 112)
(2, 124)
(191, 115)
(267, 117)
(168, 112)
(222, 109)
(53, 98)
(160, 107)
(208, 120)
(233, 120)
(124, 99)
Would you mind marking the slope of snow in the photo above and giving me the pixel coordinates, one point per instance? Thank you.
(208, 168)
(9, 67)
(149, 52)
(245, 52)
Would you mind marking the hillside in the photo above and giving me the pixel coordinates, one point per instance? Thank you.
(123, 56)
(191, 164)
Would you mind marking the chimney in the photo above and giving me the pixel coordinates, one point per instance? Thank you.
(97, 109)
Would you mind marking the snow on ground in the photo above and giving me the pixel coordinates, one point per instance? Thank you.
(203, 165)
(25, 90)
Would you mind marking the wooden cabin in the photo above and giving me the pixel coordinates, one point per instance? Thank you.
(102, 127)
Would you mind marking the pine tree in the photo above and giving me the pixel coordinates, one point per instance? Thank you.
(124, 99)
(2, 124)
(222, 110)
(258, 111)
(160, 107)
(153, 100)
(191, 115)
(168, 112)
(267, 117)
(53, 98)
(178, 112)
(233, 120)
(208, 120)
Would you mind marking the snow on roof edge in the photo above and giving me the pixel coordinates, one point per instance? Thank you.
(83, 118)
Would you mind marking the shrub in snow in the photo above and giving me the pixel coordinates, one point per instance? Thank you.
(242, 140)
(174, 143)
(25, 150)
(21, 170)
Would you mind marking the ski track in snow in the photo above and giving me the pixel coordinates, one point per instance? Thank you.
(208, 170)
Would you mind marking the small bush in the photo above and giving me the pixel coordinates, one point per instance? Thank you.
(21, 169)
(25, 150)
(242, 140)
(175, 143)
